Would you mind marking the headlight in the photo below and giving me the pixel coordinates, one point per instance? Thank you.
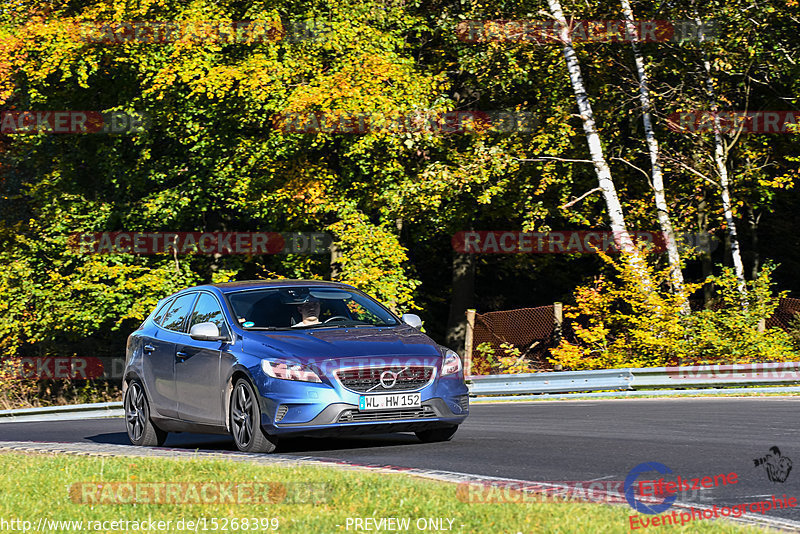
(451, 363)
(288, 370)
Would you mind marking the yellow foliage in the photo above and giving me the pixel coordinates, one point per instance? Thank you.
(620, 323)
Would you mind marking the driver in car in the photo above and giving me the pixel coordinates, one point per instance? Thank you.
(309, 311)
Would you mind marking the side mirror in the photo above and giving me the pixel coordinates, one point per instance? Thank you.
(412, 320)
(206, 332)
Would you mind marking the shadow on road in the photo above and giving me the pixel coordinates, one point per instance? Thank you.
(174, 440)
(295, 445)
(312, 444)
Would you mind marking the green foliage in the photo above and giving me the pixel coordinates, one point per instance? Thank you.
(484, 363)
(52, 296)
(372, 259)
(794, 330)
(619, 323)
(212, 160)
(513, 361)
(730, 333)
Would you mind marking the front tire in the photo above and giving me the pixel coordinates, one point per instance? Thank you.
(245, 420)
(437, 434)
(141, 430)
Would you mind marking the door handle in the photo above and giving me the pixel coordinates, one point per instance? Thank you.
(181, 356)
(148, 348)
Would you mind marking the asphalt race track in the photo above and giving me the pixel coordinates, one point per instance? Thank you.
(553, 441)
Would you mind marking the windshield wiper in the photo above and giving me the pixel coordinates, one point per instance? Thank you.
(333, 325)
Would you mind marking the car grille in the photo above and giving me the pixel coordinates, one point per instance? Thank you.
(368, 379)
(354, 416)
(463, 402)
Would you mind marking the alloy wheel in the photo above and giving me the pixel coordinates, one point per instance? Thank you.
(242, 415)
(135, 412)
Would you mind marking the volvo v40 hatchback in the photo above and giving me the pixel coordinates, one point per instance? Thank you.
(262, 360)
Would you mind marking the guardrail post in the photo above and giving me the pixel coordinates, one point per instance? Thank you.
(468, 342)
(558, 321)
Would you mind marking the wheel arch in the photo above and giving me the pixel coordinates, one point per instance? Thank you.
(129, 377)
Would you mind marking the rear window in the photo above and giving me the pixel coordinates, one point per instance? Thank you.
(162, 311)
(175, 318)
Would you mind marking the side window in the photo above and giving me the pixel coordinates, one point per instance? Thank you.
(176, 316)
(207, 310)
(162, 311)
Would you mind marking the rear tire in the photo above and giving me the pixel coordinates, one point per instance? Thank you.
(141, 430)
(245, 420)
(436, 434)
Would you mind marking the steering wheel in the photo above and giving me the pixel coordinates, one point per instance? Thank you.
(336, 317)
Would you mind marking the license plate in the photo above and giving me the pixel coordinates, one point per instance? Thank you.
(384, 402)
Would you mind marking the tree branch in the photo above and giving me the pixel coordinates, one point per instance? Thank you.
(553, 158)
(694, 171)
(576, 200)
(647, 176)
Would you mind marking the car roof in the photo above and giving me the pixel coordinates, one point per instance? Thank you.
(229, 287)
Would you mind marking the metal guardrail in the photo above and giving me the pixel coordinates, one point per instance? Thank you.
(680, 380)
(673, 378)
(555, 382)
(753, 374)
(63, 413)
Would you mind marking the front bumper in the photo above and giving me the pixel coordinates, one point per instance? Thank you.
(292, 407)
(343, 419)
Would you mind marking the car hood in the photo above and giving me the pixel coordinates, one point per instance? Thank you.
(318, 345)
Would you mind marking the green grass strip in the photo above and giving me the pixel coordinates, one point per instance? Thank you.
(37, 486)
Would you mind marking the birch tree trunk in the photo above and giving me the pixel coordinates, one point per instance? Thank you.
(616, 217)
(720, 158)
(657, 175)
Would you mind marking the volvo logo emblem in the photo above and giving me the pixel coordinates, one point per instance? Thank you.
(388, 379)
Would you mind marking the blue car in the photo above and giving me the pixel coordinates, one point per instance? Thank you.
(266, 359)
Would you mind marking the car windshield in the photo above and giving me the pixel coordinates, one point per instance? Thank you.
(306, 307)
